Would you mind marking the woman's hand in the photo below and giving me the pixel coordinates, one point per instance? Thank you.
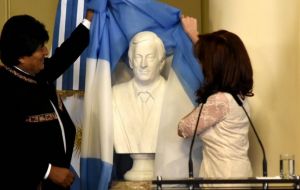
(189, 25)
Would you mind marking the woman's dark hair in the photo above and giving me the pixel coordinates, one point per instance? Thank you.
(225, 63)
(21, 36)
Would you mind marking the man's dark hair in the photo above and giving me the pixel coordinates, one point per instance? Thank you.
(21, 36)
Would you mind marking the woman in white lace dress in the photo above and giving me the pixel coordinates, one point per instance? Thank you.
(223, 125)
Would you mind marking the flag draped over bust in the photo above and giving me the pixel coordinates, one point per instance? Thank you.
(114, 24)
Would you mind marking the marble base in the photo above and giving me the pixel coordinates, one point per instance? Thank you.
(130, 185)
(142, 168)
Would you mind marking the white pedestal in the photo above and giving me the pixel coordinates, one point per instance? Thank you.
(142, 168)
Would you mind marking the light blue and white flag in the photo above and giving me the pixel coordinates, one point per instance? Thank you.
(97, 141)
(68, 15)
(115, 22)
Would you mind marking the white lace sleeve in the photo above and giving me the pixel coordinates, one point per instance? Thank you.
(213, 111)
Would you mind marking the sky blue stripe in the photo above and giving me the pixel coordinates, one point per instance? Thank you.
(76, 182)
(95, 174)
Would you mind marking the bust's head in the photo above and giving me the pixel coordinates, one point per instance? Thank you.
(146, 57)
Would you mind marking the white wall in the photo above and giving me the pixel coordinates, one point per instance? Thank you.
(270, 30)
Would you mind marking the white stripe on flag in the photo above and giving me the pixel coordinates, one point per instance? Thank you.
(97, 129)
(61, 36)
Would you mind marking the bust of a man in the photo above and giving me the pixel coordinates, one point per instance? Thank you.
(137, 103)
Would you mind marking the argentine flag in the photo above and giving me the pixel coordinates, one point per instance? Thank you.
(115, 22)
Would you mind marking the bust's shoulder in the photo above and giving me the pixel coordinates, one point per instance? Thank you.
(163, 81)
(122, 86)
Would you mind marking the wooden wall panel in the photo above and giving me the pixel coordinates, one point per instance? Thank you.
(3, 12)
(188, 7)
(43, 10)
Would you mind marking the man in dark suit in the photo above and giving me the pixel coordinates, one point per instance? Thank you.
(37, 132)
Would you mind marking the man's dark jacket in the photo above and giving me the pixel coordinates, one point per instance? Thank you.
(31, 136)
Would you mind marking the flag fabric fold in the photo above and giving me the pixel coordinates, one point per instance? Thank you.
(97, 140)
(114, 24)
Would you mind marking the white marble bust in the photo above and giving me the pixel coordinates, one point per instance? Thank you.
(137, 103)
